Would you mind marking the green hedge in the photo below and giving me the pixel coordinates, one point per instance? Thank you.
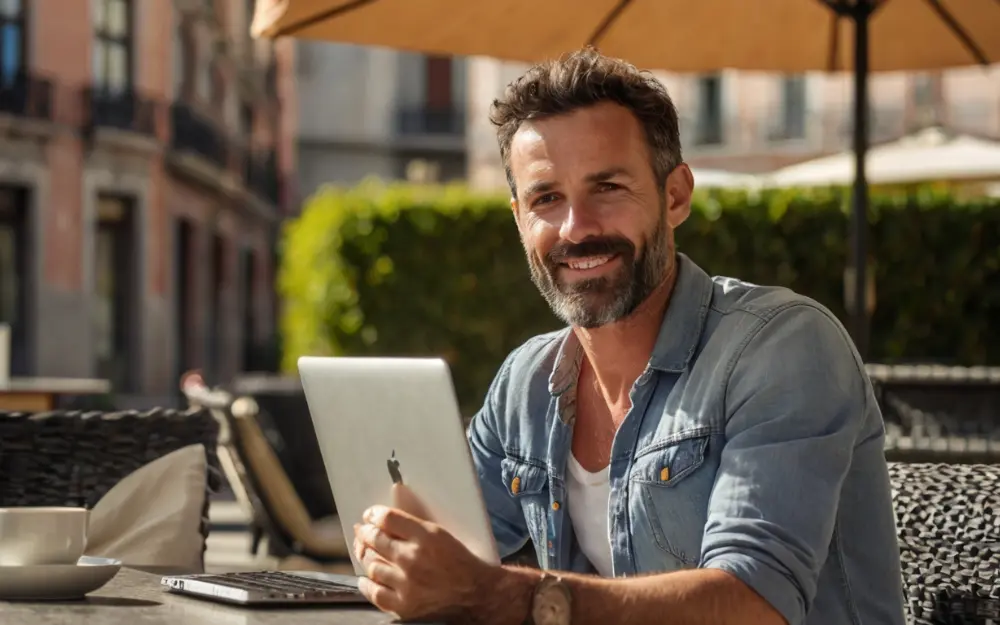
(405, 270)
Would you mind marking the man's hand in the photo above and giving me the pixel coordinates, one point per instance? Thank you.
(416, 569)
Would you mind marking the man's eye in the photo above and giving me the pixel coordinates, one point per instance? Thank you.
(548, 198)
(607, 186)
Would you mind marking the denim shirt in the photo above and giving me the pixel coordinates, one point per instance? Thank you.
(754, 445)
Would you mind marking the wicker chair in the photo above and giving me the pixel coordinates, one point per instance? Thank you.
(74, 458)
(948, 526)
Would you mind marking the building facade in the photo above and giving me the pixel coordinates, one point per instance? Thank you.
(373, 112)
(755, 122)
(146, 151)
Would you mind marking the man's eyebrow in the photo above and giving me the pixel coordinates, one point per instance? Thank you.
(545, 186)
(542, 186)
(607, 174)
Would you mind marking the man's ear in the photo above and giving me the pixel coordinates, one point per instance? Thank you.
(514, 205)
(678, 189)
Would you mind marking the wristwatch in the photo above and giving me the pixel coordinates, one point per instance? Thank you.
(551, 603)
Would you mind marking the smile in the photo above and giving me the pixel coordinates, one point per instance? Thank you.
(590, 262)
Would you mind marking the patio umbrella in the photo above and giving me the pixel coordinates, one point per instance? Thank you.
(721, 179)
(679, 36)
(929, 155)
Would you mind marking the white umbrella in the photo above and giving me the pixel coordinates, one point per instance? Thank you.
(721, 179)
(929, 155)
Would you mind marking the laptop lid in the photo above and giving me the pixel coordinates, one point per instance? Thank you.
(380, 419)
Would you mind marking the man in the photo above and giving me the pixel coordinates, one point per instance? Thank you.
(690, 450)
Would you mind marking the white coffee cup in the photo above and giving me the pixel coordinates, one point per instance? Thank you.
(35, 536)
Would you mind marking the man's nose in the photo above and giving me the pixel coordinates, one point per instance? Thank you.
(579, 223)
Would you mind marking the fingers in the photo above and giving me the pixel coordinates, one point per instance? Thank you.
(375, 539)
(396, 523)
(378, 568)
(384, 574)
(378, 595)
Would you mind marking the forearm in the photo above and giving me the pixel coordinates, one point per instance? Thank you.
(695, 597)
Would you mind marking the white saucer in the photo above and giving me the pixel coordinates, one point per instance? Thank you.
(56, 582)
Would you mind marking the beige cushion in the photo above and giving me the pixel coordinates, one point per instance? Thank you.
(153, 516)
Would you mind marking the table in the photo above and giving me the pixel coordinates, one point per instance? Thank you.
(41, 394)
(136, 598)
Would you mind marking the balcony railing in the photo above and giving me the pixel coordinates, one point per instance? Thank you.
(28, 96)
(197, 135)
(430, 121)
(120, 110)
(261, 176)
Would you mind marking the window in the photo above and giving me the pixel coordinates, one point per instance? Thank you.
(271, 75)
(185, 253)
(438, 85)
(247, 307)
(112, 52)
(183, 60)
(251, 5)
(12, 44)
(793, 108)
(218, 86)
(14, 274)
(924, 90)
(113, 285)
(709, 126)
(246, 122)
(216, 320)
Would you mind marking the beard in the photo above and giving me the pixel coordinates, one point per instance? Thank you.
(594, 302)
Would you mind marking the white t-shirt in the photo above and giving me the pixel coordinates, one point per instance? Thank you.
(589, 495)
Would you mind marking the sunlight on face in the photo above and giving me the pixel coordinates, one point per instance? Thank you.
(594, 223)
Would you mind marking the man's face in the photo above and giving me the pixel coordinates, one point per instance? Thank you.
(596, 226)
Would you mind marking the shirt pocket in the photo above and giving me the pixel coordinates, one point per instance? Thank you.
(528, 484)
(669, 487)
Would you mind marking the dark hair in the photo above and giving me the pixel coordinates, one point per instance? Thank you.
(584, 78)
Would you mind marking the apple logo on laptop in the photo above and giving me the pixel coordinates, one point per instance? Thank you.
(393, 464)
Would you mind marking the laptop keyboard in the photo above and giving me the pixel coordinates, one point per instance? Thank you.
(278, 583)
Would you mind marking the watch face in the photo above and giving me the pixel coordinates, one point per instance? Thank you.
(552, 605)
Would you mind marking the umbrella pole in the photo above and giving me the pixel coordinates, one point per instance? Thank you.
(860, 12)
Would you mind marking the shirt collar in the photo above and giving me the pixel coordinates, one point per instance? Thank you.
(684, 321)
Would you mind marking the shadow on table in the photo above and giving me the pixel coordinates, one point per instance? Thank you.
(96, 602)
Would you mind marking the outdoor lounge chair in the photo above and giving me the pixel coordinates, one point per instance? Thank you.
(264, 489)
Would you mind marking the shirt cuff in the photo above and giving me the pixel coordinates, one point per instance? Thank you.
(777, 589)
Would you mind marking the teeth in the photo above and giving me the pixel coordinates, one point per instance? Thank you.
(588, 263)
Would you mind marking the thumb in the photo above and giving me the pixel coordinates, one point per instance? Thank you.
(406, 500)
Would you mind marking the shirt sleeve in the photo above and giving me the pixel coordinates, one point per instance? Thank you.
(796, 405)
(506, 517)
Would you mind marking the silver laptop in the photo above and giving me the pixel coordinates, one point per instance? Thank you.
(380, 420)
(377, 421)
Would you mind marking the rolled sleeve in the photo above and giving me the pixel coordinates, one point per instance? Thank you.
(766, 581)
(796, 404)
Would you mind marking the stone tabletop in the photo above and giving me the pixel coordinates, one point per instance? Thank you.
(60, 386)
(136, 598)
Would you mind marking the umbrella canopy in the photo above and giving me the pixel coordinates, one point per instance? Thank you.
(702, 36)
(680, 36)
(721, 179)
(929, 155)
